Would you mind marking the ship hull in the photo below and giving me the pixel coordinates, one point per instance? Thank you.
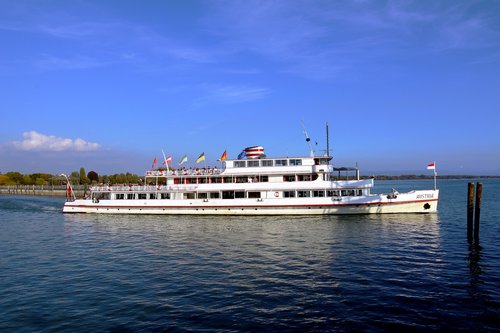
(411, 202)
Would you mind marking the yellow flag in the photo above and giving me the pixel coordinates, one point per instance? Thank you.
(201, 158)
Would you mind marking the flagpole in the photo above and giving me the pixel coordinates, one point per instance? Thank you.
(435, 174)
(68, 185)
(165, 159)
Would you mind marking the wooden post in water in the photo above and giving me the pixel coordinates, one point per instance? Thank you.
(470, 210)
(477, 209)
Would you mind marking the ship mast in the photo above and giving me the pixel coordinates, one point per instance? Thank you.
(327, 141)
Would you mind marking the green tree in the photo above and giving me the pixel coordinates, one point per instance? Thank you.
(83, 177)
(15, 176)
(93, 176)
(5, 180)
(40, 181)
(27, 180)
(45, 176)
(75, 177)
(104, 179)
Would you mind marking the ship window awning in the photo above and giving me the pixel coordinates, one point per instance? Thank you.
(344, 169)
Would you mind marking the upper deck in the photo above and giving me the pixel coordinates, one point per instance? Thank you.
(260, 166)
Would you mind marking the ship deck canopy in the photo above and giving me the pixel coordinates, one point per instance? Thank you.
(347, 170)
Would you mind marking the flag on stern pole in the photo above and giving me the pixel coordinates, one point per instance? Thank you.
(432, 166)
(224, 156)
(201, 158)
(154, 163)
(184, 159)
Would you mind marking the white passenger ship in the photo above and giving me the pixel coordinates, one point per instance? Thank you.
(256, 185)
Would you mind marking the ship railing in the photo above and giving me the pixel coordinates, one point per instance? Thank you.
(123, 188)
(185, 172)
(179, 188)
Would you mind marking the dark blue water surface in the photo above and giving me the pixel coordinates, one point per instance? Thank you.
(69, 273)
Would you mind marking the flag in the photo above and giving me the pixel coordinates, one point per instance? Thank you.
(431, 166)
(201, 158)
(242, 155)
(184, 159)
(68, 188)
(154, 163)
(224, 156)
(166, 160)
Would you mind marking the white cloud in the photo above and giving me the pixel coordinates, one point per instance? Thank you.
(41, 142)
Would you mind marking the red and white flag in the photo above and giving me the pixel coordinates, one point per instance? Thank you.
(431, 166)
(154, 163)
(168, 160)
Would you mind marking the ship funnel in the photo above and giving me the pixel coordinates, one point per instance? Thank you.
(254, 152)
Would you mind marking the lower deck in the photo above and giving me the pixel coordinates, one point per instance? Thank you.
(411, 202)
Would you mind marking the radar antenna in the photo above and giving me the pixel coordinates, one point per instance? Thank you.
(308, 140)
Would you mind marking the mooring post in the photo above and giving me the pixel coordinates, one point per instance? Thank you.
(477, 209)
(470, 210)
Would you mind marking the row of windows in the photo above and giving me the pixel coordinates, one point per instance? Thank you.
(322, 193)
(242, 194)
(267, 163)
(141, 196)
(217, 180)
(300, 178)
(243, 179)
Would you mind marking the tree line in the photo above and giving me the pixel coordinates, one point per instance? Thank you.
(76, 177)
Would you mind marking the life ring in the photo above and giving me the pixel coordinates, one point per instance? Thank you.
(276, 194)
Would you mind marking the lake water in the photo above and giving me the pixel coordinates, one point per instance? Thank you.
(81, 273)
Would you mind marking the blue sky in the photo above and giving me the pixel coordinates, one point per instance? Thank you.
(108, 84)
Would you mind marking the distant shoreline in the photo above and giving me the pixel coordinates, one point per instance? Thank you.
(417, 177)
